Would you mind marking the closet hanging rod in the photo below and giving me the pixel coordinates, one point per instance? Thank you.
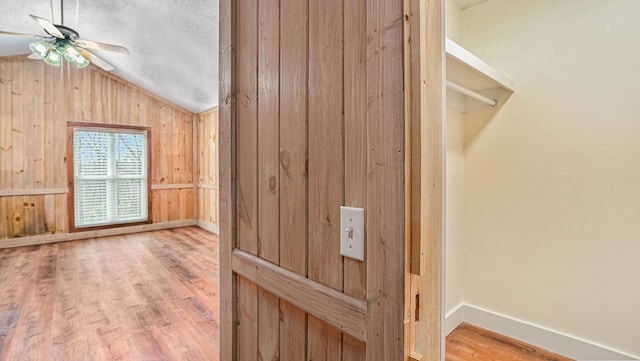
(471, 93)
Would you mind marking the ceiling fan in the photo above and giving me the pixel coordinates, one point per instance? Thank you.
(64, 42)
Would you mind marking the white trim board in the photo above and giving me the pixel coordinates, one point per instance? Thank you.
(453, 319)
(539, 336)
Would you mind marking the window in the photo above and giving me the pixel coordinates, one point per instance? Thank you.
(110, 180)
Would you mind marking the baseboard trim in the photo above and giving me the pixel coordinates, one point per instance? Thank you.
(209, 227)
(453, 319)
(536, 335)
(64, 237)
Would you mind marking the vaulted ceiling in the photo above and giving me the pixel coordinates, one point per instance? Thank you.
(173, 45)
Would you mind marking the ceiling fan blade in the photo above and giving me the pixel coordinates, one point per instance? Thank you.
(48, 27)
(22, 35)
(96, 60)
(100, 46)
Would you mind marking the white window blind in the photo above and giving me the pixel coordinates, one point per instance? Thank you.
(110, 176)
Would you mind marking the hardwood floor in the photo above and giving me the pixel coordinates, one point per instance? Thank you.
(471, 343)
(145, 296)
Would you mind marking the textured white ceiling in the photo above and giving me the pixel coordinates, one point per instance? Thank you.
(463, 4)
(173, 45)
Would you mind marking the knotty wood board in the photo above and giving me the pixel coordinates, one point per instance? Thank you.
(355, 149)
(6, 123)
(294, 139)
(385, 186)
(326, 159)
(247, 167)
(425, 53)
(268, 170)
(342, 311)
(227, 179)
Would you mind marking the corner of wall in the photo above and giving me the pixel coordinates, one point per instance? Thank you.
(453, 21)
(206, 163)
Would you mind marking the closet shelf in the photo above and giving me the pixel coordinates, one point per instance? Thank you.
(473, 84)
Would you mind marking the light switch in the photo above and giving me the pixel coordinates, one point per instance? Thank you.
(352, 232)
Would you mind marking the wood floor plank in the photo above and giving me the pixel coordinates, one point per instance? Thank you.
(68, 339)
(150, 346)
(471, 343)
(145, 296)
(31, 336)
(181, 342)
(110, 343)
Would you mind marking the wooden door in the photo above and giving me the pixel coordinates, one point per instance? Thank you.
(312, 117)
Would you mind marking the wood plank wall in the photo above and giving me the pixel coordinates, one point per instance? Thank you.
(37, 101)
(207, 168)
(311, 118)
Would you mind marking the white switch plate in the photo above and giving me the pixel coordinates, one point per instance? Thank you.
(352, 223)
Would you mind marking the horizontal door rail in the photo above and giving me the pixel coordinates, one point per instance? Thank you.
(344, 312)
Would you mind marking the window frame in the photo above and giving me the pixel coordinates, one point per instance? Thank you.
(71, 126)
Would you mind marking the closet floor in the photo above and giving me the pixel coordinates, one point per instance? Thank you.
(471, 343)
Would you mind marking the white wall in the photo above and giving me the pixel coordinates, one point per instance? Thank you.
(455, 244)
(453, 21)
(552, 180)
(454, 249)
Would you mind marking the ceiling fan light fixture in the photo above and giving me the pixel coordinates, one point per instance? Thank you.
(40, 48)
(70, 53)
(73, 55)
(81, 62)
(53, 58)
(64, 42)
